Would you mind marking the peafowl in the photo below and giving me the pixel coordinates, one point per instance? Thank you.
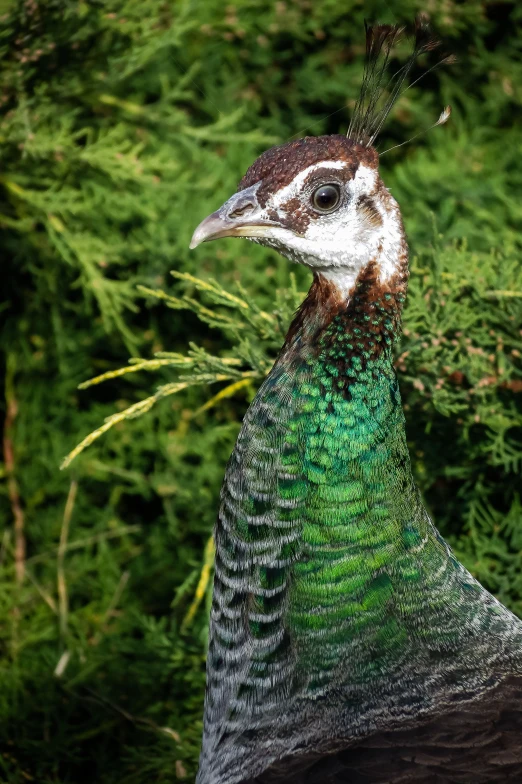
(347, 643)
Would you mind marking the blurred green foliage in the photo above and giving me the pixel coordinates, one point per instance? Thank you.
(124, 122)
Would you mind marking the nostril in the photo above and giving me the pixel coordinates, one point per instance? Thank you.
(241, 211)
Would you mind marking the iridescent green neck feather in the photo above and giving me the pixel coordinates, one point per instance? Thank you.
(337, 606)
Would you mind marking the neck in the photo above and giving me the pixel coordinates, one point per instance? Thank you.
(335, 600)
(351, 328)
(359, 530)
(373, 563)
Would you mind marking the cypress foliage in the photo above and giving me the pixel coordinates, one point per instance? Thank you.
(123, 124)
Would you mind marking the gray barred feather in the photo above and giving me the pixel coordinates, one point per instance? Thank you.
(263, 704)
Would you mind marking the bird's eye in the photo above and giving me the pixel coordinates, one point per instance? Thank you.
(326, 198)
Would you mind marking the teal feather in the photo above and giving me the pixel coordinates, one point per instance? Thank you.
(338, 609)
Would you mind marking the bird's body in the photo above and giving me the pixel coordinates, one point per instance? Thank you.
(347, 643)
(477, 743)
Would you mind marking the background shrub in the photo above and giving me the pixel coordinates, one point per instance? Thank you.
(124, 122)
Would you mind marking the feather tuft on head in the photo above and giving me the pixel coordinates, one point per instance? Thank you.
(379, 92)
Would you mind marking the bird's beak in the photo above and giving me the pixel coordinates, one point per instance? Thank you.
(240, 216)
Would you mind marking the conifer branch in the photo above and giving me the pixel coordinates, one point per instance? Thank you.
(63, 601)
(10, 468)
(204, 579)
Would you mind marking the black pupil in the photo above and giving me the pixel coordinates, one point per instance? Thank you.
(326, 197)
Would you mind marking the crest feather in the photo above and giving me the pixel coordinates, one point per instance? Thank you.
(379, 92)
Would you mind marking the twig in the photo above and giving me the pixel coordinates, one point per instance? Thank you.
(63, 601)
(48, 599)
(208, 562)
(9, 460)
(124, 579)
(5, 544)
(88, 540)
(63, 661)
(141, 720)
(132, 412)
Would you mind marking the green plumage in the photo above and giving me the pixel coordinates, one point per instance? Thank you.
(338, 609)
(340, 618)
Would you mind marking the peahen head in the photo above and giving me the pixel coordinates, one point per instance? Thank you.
(319, 201)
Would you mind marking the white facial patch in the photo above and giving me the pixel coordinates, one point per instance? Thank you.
(341, 243)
